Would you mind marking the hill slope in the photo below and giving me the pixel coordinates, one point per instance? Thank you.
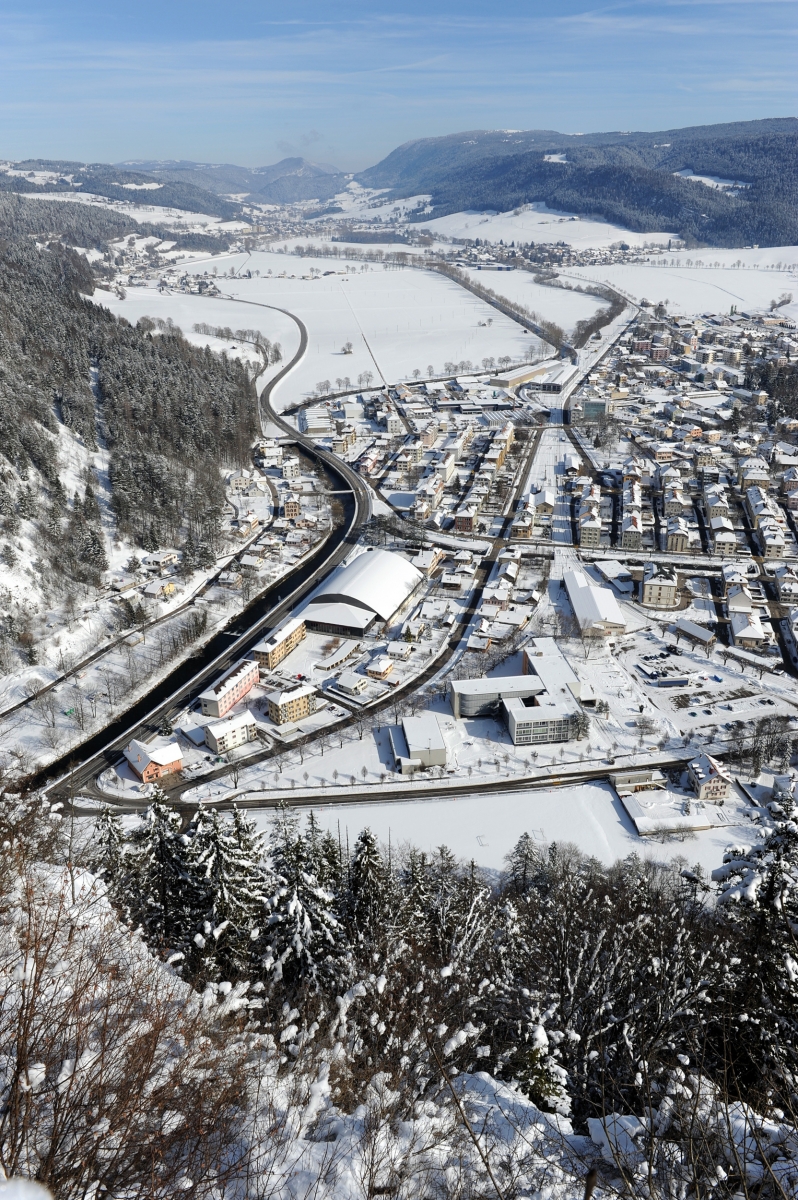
(631, 178)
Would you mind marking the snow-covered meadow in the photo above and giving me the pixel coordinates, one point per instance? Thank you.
(558, 304)
(538, 223)
(484, 828)
(705, 280)
(397, 319)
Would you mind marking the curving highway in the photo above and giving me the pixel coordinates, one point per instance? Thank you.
(65, 778)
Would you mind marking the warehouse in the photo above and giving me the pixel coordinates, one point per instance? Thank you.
(365, 592)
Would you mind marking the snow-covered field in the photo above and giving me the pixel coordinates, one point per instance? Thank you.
(374, 204)
(560, 305)
(176, 218)
(538, 223)
(485, 828)
(691, 288)
(397, 319)
(188, 310)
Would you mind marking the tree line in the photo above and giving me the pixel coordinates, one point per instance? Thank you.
(585, 985)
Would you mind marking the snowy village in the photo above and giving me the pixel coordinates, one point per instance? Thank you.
(399, 640)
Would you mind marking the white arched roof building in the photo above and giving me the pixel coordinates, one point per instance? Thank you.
(369, 588)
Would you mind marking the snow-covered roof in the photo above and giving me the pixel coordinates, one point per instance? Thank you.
(231, 723)
(594, 607)
(140, 755)
(423, 733)
(377, 581)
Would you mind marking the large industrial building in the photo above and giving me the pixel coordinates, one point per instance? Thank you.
(365, 592)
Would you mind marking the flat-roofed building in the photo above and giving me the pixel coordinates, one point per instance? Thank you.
(228, 690)
(225, 735)
(529, 723)
(617, 574)
(425, 742)
(483, 697)
(291, 704)
(273, 649)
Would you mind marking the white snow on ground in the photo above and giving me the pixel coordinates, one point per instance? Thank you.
(538, 223)
(373, 204)
(714, 181)
(153, 214)
(188, 310)
(560, 305)
(693, 289)
(485, 828)
(397, 319)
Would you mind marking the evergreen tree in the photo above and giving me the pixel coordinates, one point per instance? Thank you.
(759, 895)
(416, 897)
(522, 862)
(368, 888)
(91, 508)
(223, 861)
(324, 856)
(156, 883)
(108, 848)
(302, 929)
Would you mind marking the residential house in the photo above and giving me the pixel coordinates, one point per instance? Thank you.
(709, 779)
(660, 586)
(153, 762)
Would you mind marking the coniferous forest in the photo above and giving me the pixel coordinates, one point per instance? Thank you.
(200, 1007)
(170, 414)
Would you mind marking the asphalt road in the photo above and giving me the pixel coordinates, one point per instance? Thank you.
(64, 778)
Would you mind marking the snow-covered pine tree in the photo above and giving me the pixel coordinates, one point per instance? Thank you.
(369, 885)
(324, 856)
(416, 897)
(522, 863)
(758, 889)
(155, 880)
(107, 847)
(228, 894)
(302, 933)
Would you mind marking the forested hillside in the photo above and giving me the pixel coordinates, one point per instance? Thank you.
(170, 415)
(626, 178)
(117, 184)
(89, 226)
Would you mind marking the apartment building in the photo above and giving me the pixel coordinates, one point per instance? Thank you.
(291, 704)
(222, 736)
(272, 650)
(659, 587)
(227, 691)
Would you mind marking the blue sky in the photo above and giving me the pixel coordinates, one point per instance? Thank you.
(345, 81)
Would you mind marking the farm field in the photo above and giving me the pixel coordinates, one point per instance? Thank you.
(560, 305)
(538, 223)
(699, 289)
(397, 319)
